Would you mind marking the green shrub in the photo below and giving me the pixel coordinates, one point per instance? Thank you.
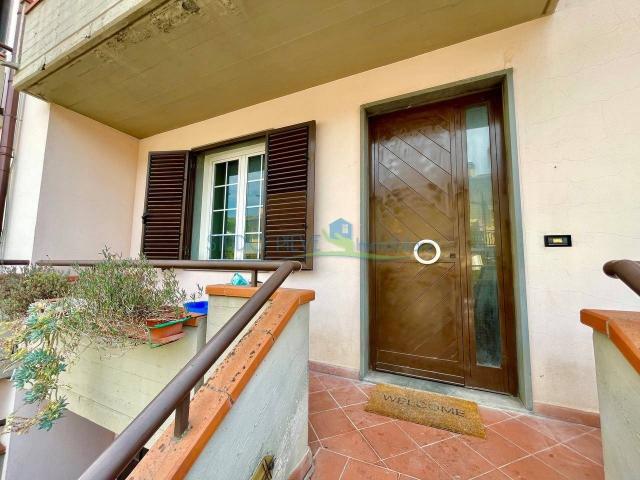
(118, 295)
(20, 287)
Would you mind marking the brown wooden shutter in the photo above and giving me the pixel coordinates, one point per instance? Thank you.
(289, 194)
(164, 210)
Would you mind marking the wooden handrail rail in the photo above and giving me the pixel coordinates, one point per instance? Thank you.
(175, 396)
(628, 271)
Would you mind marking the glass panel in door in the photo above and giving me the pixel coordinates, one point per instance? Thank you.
(482, 230)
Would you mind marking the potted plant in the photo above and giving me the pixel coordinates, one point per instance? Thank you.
(130, 296)
(117, 304)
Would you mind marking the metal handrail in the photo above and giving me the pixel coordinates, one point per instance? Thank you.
(626, 270)
(176, 395)
(223, 265)
(14, 262)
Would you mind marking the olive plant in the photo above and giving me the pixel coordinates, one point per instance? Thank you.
(106, 307)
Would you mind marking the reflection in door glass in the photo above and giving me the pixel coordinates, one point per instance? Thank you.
(482, 229)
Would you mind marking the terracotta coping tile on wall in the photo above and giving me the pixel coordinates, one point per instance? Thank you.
(622, 328)
(170, 458)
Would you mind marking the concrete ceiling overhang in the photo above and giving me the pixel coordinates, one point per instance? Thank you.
(189, 60)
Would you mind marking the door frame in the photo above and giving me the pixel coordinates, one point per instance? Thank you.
(504, 80)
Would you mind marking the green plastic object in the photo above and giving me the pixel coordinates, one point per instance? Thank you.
(170, 322)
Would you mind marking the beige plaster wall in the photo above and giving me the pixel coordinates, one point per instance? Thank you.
(21, 209)
(87, 188)
(577, 102)
(618, 386)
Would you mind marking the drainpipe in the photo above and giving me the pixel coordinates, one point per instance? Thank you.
(9, 117)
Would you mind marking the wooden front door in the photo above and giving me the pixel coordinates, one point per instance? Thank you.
(441, 304)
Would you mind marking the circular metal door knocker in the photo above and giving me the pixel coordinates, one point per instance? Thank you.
(435, 258)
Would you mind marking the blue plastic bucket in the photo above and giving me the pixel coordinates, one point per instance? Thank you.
(201, 307)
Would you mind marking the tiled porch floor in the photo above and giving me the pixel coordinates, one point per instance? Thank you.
(349, 443)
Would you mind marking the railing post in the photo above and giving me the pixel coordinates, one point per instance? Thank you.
(254, 278)
(181, 422)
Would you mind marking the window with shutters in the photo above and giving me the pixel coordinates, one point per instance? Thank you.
(249, 199)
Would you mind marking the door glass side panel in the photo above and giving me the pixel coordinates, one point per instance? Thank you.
(482, 229)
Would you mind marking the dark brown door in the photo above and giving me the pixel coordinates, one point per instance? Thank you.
(440, 308)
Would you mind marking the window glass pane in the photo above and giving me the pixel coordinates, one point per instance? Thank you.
(484, 277)
(251, 246)
(255, 167)
(218, 198)
(252, 223)
(230, 222)
(232, 171)
(232, 196)
(220, 173)
(216, 248)
(253, 193)
(229, 248)
(216, 225)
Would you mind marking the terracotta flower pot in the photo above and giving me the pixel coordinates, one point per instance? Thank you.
(193, 319)
(162, 331)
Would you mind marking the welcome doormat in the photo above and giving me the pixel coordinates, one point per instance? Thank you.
(430, 409)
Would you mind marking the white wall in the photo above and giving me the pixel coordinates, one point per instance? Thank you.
(87, 188)
(24, 181)
(269, 418)
(577, 94)
(618, 386)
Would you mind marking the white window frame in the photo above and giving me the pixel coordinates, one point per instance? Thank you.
(241, 154)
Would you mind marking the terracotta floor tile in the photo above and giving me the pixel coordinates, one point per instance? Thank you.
(348, 395)
(458, 459)
(330, 423)
(315, 385)
(417, 464)
(330, 381)
(321, 401)
(311, 435)
(314, 446)
(423, 435)
(362, 419)
(495, 448)
(363, 471)
(571, 464)
(353, 445)
(588, 445)
(523, 435)
(493, 475)
(492, 415)
(329, 465)
(530, 468)
(388, 439)
(556, 429)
